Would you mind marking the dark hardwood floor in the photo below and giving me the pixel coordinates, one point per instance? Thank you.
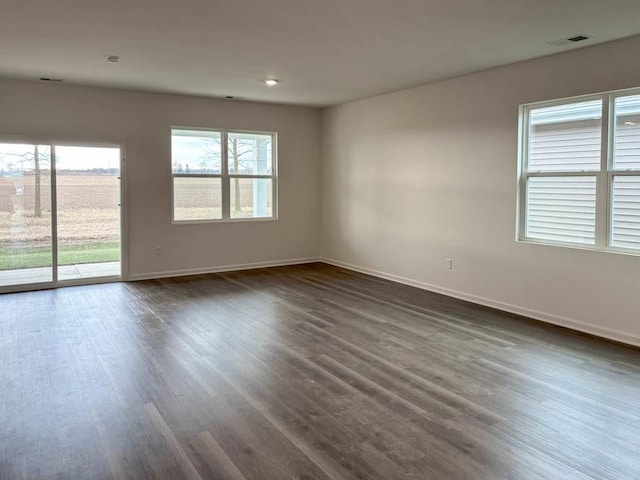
(309, 372)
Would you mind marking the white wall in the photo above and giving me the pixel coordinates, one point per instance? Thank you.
(142, 121)
(412, 177)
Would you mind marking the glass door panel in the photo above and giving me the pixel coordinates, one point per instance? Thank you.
(25, 214)
(88, 212)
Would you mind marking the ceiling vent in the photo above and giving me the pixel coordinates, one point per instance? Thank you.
(47, 79)
(569, 40)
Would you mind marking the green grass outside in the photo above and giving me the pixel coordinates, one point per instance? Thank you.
(17, 258)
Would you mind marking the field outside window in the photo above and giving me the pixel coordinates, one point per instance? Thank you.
(213, 183)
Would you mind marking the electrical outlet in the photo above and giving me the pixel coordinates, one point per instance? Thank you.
(448, 263)
(158, 250)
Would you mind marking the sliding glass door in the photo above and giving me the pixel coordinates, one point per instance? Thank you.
(26, 243)
(60, 214)
(88, 211)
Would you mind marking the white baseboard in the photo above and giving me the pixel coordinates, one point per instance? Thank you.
(222, 268)
(608, 333)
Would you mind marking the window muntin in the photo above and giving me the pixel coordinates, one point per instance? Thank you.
(222, 175)
(580, 172)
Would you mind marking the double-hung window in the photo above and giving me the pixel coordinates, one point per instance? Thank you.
(579, 172)
(223, 175)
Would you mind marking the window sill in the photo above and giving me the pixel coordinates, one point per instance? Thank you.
(224, 221)
(573, 246)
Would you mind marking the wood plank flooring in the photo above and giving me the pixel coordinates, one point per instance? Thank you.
(308, 372)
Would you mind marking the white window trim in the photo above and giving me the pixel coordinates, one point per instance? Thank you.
(225, 177)
(604, 177)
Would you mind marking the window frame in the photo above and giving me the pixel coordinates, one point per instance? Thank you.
(225, 177)
(604, 176)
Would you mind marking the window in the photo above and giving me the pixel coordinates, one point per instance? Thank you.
(579, 176)
(222, 175)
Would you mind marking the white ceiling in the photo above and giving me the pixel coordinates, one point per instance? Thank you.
(324, 52)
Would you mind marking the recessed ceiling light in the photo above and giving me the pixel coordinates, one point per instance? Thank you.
(113, 58)
(271, 82)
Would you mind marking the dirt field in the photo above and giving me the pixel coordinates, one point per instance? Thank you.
(88, 210)
(200, 199)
